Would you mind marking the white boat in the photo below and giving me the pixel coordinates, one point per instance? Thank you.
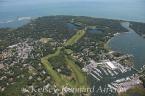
(104, 70)
(97, 74)
(94, 76)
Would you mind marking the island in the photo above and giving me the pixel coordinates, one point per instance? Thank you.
(59, 56)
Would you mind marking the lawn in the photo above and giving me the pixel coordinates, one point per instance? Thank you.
(75, 38)
(81, 80)
(56, 77)
(61, 80)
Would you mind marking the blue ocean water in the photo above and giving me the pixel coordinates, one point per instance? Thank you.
(132, 10)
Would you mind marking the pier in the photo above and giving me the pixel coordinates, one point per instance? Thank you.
(104, 68)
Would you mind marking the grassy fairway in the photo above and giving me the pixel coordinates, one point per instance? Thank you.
(79, 76)
(80, 79)
(61, 80)
(75, 38)
(56, 77)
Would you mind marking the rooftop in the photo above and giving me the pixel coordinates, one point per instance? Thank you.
(111, 65)
(1, 66)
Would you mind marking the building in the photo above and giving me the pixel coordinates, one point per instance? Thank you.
(110, 65)
(2, 66)
(1, 57)
(123, 87)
